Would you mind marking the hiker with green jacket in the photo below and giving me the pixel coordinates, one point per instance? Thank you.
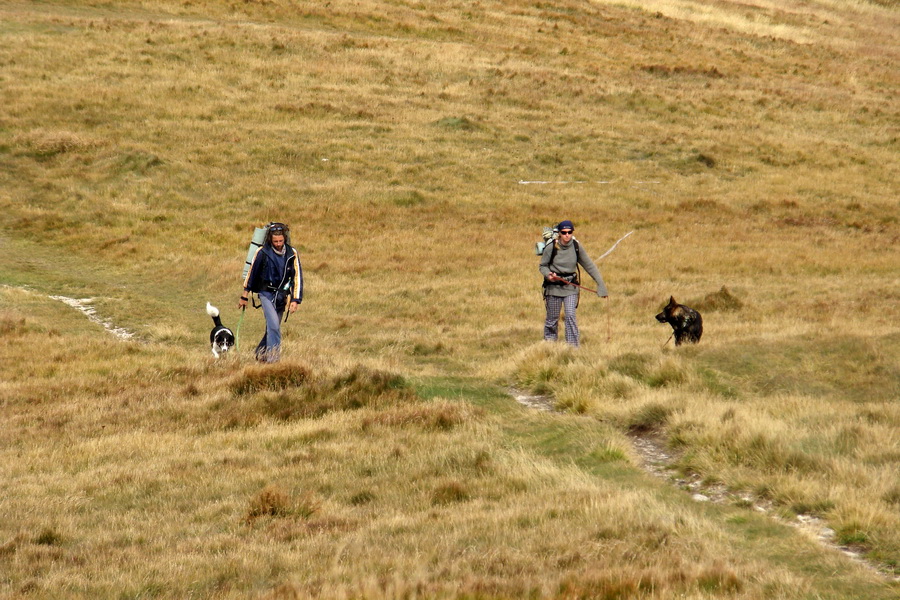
(559, 266)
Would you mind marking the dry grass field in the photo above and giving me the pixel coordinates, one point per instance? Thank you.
(417, 149)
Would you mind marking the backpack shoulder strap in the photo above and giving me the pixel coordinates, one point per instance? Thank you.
(577, 252)
(577, 261)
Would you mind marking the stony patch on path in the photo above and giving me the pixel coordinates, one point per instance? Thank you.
(538, 402)
(85, 305)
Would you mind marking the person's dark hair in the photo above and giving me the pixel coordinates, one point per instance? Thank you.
(278, 229)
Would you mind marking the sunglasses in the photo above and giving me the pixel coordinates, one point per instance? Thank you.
(565, 232)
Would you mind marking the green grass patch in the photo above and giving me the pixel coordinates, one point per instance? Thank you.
(849, 367)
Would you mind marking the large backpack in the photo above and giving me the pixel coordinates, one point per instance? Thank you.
(259, 238)
(550, 235)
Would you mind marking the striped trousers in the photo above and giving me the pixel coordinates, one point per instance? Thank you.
(551, 325)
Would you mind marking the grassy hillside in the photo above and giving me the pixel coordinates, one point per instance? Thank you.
(416, 149)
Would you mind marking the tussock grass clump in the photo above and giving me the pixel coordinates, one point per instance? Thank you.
(769, 452)
(541, 367)
(669, 372)
(449, 493)
(361, 498)
(361, 387)
(48, 537)
(458, 123)
(274, 501)
(647, 370)
(892, 496)
(720, 579)
(13, 326)
(277, 377)
(408, 199)
(650, 417)
(573, 399)
(270, 501)
(45, 144)
(289, 391)
(609, 452)
(632, 364)
(617, 387)
(723, 300)
(661, 582)
(434, 415)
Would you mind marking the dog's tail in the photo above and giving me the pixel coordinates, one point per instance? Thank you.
(214, 313)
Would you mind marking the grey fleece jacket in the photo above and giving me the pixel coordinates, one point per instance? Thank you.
(565, 262)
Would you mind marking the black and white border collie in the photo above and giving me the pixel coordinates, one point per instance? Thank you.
(221, 339)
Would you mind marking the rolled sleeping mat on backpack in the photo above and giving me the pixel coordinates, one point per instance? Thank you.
(550, 235)
(259, 238)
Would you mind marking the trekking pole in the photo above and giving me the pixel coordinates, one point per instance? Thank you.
(554, 277)
(608, 319)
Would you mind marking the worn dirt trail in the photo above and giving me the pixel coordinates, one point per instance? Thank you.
(659, 461)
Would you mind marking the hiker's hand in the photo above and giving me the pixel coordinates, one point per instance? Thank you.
(293, 307)
(598, 293)
(242, 303)
(552, 277)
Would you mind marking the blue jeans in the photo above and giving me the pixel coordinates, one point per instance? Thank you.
(269, 348)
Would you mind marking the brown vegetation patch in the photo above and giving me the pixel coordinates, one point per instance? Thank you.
(771, 453)
(47, 144)
(273, 501)
(458, 123)
(359, 388)
(440, 415)
(270, 377)
(361, 498)
(289, 530)
(650, 417)
(270, 501)
(702, 204)
(666, 71)
(323, 109)
(723, 300)
(718, 579)
(892, 496)
(13, 326)
(48, 537)
(631, 364)
(114, 242)
(286, 392)
(449, 493)
(808, 221)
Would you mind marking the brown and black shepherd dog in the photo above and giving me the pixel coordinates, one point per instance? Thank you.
(687, 322)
